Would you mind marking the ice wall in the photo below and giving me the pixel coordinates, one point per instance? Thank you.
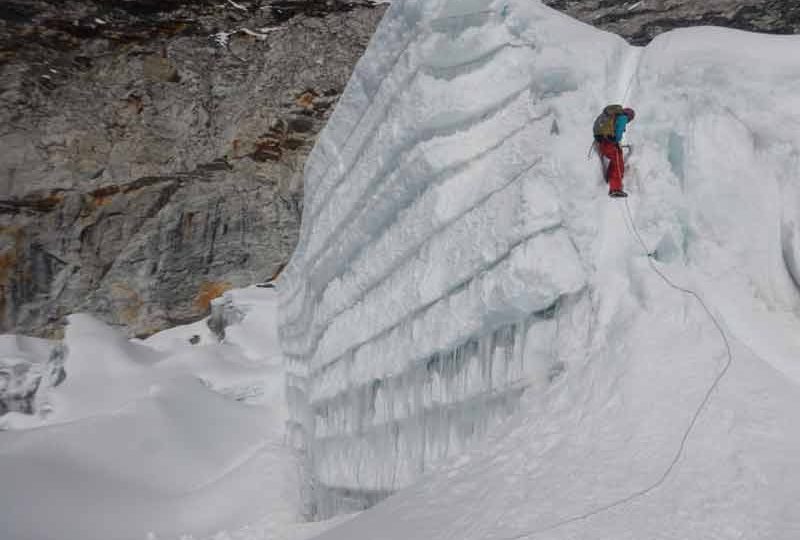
(26, 366)
(451, 219)
(434, 254)
(668, 417)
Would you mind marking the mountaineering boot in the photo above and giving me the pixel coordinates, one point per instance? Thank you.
(617, 193)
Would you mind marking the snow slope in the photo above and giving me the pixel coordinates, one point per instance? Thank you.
(458, 251)
(178, 436)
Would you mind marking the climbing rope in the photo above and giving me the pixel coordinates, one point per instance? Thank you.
(631, 225)
(717, 324)
(630, 85)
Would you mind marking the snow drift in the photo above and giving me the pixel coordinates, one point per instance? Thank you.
(179, 436)
(460, 261)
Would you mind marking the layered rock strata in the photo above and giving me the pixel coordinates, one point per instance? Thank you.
(152, 150)
(639, 21)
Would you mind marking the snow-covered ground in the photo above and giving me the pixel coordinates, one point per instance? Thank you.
(177, 436)
(469, 321)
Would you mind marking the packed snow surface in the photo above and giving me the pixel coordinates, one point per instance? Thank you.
(460, 265)
(177, 436)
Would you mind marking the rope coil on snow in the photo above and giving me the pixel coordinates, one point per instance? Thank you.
(631, 225)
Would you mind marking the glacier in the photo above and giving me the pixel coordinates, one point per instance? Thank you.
(461, 274)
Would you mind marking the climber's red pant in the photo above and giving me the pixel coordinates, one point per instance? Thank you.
(616, 164)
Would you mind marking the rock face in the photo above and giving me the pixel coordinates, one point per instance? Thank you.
(640, 21)
(152, 150)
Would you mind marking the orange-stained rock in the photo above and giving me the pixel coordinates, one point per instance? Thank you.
(209, 291)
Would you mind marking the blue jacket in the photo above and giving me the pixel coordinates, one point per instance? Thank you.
(619, 127)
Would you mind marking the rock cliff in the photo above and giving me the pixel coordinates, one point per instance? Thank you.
(152, 150)
(639, 21)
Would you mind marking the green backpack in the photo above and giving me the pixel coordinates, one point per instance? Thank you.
(605, 125)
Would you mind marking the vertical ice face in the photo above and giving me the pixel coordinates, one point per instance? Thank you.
(434, 254)
(28, 367)
(452, 223)
(668, 416)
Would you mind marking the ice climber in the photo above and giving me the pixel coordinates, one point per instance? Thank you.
(608, 131)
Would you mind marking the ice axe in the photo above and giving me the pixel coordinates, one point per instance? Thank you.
(629, 148)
